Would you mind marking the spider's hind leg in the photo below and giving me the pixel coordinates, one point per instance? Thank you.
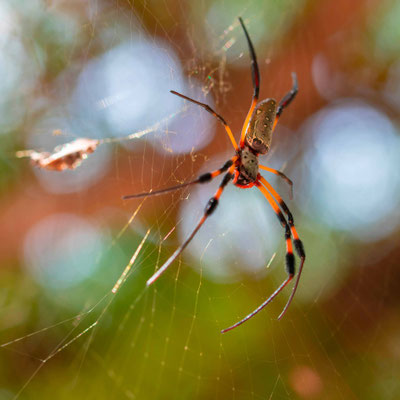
(287, 99)
(212, 112)
(255, 75)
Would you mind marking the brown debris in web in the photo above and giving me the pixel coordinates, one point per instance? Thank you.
(66, 156)
(70, 155)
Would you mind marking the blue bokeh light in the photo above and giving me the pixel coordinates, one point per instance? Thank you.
(17, 81)
(61, 250)
(127, 88)
(192, 130)
(354, 185)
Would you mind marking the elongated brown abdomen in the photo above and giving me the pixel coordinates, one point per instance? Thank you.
(259, 134)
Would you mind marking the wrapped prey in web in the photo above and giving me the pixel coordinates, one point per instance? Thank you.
(66, 156)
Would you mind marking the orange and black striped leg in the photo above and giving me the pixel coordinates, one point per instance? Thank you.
(287, 99)
(255, 74)
(211, 111)
(210, 208)
(204, 178)
(280, 174)
(298, 244)
(290, 262)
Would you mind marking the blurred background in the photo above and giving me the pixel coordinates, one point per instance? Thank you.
(102, 69)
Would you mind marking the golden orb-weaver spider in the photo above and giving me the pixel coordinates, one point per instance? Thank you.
(243, 170)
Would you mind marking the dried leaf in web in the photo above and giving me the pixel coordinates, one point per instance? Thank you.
(66, 156)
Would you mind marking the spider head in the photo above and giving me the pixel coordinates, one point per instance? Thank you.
(248, 167)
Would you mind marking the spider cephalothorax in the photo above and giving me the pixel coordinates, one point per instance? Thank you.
(246, 171)
(243, 168)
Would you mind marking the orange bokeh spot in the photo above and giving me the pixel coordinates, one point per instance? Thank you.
(306, 382)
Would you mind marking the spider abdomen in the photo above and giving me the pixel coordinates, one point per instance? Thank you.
(259, 133)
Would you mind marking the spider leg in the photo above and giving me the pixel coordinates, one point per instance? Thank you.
(255, 74)
(287, 99)
(259, 308)
(290, 268)
(298, 244)
(204, 178)
(280, 174)
(210, 208)
(211, 111)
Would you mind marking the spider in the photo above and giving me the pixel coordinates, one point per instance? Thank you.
(243, 171)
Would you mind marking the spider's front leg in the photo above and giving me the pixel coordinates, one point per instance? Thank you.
(210, 208)
(298, 244)
(281, 175)
(290, 264)
(274, 199)
(204, 178)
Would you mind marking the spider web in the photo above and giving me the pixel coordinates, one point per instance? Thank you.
(78, 319)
